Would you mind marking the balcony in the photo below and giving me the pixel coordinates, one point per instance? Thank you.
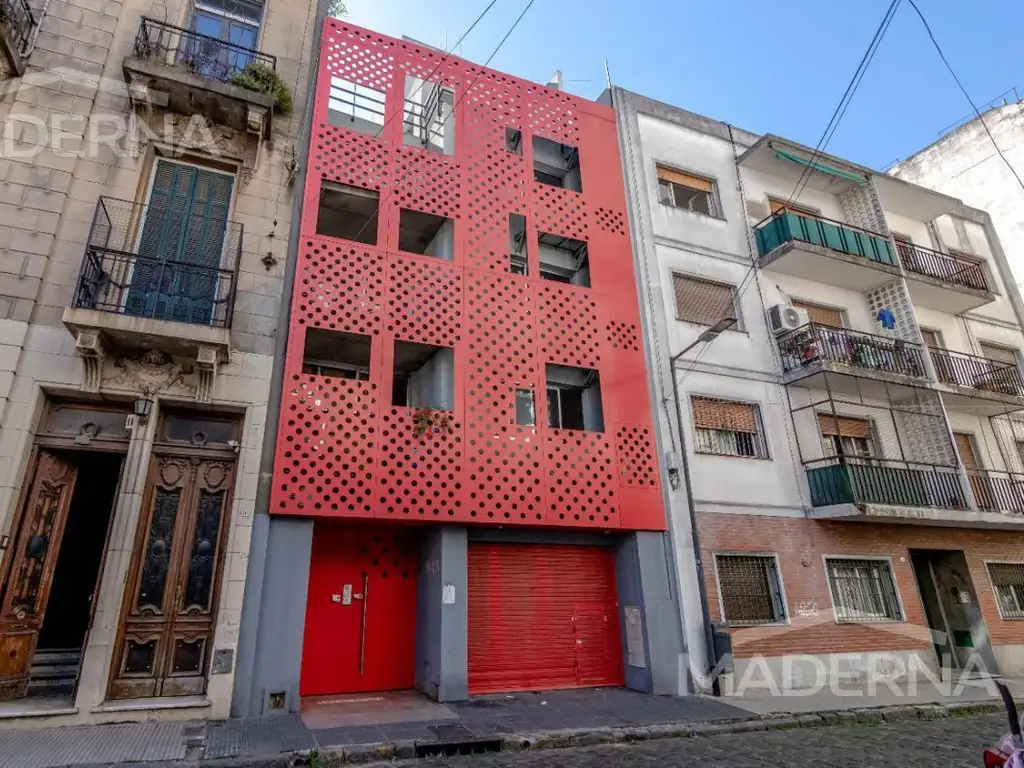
(885, 490)
(977, 384)
(16, 25)
(825, 251)
(942, 281)
(153, 278)
(816, 349)
(190, 73)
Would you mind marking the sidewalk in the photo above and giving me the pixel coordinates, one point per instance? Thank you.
(364, 728)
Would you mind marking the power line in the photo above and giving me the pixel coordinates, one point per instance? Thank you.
(432, 134)
(963, 90)
(823, 141)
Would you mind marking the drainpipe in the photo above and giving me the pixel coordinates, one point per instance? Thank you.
(242, 692)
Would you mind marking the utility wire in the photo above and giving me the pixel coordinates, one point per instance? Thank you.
(823, 141)
(963, 90)
(432, 134)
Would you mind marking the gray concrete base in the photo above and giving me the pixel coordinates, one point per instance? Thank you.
(1010, 659)
(442, 614)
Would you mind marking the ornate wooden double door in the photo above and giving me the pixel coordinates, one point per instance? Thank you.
(30, 575)
(166, 638)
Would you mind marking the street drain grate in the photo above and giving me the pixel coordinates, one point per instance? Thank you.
(455, 740)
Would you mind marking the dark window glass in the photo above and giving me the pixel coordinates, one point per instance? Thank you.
(198, 431)
(158, 549)
(525, 414)
(572, 408)
(199, 586)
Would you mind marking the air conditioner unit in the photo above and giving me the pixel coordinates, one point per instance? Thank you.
(783, 318)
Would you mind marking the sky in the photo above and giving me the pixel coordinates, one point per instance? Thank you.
(768, 67)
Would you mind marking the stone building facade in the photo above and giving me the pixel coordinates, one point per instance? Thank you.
(147, 189)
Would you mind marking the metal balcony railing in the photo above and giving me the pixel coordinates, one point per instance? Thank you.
(814, 343)
(997, 491)
(976, 372)
(18, 18)
(159, 262)
(942, 266)
(850, 480)
(786, 225)
(198, 54)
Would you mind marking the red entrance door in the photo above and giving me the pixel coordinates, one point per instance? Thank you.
(360, 611)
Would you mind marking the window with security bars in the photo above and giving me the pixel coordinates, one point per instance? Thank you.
(1008, 582)
(727, 428)
(703, 301)
(751, 589)
(863, 590)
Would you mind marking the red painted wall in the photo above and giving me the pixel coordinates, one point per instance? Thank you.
(343, 450)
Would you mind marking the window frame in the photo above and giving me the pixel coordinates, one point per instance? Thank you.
(810, 306)
(362, 373)
(785, 619)
(760, 437)
(874, 444)
(995, 345)
(799, 209)
(560, 387)
(739, 327)
(995, 592)
(714, 203)
(887, 560)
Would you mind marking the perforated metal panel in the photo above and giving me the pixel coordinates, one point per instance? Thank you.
(343, 449)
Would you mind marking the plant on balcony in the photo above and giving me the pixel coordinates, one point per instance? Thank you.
(431, 418)
(260, 78)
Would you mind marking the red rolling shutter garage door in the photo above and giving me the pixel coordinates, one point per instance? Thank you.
(542, 617)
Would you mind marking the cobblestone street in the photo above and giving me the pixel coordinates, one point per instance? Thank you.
(954, 742)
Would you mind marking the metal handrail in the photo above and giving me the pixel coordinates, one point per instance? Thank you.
(134, 265)
(21, 22)
(201, 54)
(976, 372)
(815, 342)
(867, 480)
(818, 217)
(941, 266)
(997, 491)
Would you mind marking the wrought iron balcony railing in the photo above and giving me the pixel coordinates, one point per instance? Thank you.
(159, 262)
(198, 54)
(997, 491)
(975, 372)
(786, 225)
(814, 343)
(18, 18)
(942, 266)
(850, 480)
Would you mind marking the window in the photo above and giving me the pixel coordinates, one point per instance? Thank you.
(429, 116)
(751, 589)
(427, 234)
(424, 376)
(517, 244)
(822, 315)
(514, 141)
(998, 354)
(863, 590)
(843, 436)
(727, 428)
(355, 107)
(781, 205)
(573, 398)
(348, 212)
(336, 354)
(1008, 582)
(931, 338)
(563, 259)
(702, 301)
(681, 190)
(526, 415)
(556, 164)
(232, 21)
(965, 449)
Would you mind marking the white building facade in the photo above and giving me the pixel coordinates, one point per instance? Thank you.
(850, 452)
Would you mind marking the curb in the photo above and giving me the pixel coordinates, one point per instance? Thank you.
(390, 752)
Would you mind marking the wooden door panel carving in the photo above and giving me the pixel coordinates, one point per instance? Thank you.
(30, 575)
(167, 632)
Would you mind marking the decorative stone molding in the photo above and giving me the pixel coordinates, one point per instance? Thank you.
(206, 373)
(92, 348)
(153, 371)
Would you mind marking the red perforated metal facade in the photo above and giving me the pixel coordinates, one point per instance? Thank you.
(343, 450)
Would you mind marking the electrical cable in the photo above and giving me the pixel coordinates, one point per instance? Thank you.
(963, 90)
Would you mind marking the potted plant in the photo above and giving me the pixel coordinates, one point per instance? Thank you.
(264, 79)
